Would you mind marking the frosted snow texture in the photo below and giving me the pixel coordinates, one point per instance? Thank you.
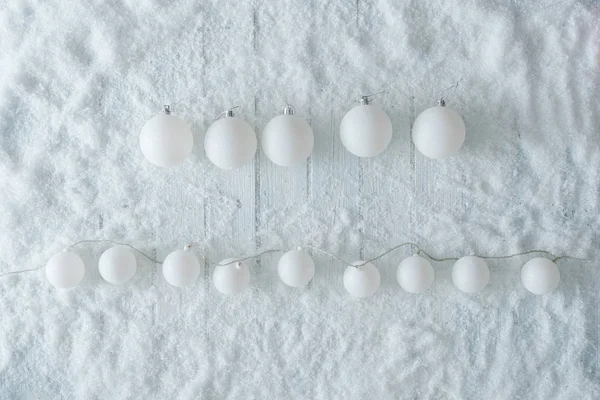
(78, 79)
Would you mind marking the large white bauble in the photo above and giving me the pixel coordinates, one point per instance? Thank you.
(362, 281)
(231, 277)
(65, 270)
(296, 268)
(181, 268)
(540, 275)
(438, 132)
(166, 140)
(470, 274)
(117, 265)
(287, 140)
(415, 274)
(366, 130)
(230, 142)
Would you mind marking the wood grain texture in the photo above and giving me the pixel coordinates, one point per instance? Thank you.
(79, 79)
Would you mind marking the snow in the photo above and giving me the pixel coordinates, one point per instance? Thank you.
(79, 79)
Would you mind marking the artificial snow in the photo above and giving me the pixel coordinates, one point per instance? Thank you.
(78, 79)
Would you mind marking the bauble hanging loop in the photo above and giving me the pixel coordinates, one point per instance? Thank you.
(438, 131)
(287, 139)
(181, 268)
(65, 270)
(366, 130)
(166, 140)
(231, 276)
(230, 142)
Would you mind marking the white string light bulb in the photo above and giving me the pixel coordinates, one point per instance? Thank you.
(415, 274)
(181, 268)
(361, 281)
(438, 131)
(366, 130)
(361, 278)
(287, 139)
(540, 275)
(166, 140)
(65, 270)
(230, 142)
(117, 265)
(296, 268)
(470, 274)
(231, 276)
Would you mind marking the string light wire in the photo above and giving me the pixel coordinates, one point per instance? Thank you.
(419, 251)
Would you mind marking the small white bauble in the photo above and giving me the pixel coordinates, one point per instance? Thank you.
(117, 265)
(366, 130)
(415, 274)
(181, 268)
(230, 142)
(65, 270)
(231, 277)
(296, 268)
(287, 139)
(470, 274)
(362, 281)
(438, 132)
(540, 275)
(166, 140)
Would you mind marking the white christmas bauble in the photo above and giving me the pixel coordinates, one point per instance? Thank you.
(117, 265)
(287, 140)
(166, 140)
(438, 132)
(231, 277)
(230, 142)
(415, 274)
(366, 130)
(181, 268)
(470, 274)
(65, 270)
(540, 275)
(362, 281)
(296, 268)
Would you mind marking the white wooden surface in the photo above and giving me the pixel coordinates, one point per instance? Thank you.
(77, 82)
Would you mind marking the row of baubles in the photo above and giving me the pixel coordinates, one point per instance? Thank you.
(230, 142)
(296, 268)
